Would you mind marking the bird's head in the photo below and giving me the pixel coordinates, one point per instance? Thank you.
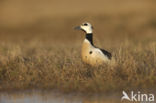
(86, 27)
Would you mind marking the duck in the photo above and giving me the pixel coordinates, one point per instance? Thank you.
(90, 54)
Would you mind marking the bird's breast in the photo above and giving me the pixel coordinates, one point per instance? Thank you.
(85, 52)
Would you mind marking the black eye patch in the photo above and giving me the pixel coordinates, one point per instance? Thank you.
(85, 24)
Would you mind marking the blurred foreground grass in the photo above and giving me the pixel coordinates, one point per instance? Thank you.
(33, 65)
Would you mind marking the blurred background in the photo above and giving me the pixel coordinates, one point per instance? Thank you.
(54, 20)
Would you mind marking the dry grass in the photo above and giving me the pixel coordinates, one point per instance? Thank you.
(36, 66)
(46, 53)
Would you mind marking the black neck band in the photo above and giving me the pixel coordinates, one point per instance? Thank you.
(89, 37)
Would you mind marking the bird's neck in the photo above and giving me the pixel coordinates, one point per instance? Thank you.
(89, 37)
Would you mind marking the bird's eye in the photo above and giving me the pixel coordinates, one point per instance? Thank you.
(85, 24)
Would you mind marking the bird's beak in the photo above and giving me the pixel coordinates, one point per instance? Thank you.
(77, 28)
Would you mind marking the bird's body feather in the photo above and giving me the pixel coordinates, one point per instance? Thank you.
(93, 55)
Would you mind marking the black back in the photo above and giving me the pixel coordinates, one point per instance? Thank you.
(109, 55)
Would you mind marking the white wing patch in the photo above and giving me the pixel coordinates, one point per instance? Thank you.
(97, 53)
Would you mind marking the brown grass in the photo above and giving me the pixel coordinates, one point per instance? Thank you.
(45, 53)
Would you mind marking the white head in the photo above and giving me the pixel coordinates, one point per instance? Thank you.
(86, 27)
